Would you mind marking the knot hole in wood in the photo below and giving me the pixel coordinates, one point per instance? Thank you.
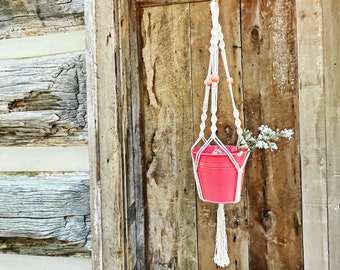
(255, 33)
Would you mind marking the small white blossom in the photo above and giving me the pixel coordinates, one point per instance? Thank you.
(287, 133)
(266, 138)
(261, 145)
(272, 146)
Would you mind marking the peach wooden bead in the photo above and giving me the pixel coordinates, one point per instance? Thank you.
(207, 82)
(215, 78)
(230, 80)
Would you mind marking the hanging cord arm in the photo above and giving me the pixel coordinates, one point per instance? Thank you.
(216, 25)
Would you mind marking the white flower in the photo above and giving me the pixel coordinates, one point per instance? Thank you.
(261, 145)
(266, 138)
(272, 146)
(287, 133)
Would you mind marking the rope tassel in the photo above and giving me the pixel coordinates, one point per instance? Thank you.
(221, 257)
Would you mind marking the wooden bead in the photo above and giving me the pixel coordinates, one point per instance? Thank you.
(215, 78)
(207, 82)
(230, 80)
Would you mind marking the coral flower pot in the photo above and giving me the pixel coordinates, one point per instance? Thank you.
(218, 180)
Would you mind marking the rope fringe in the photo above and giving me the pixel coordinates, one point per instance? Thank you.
(221, 257)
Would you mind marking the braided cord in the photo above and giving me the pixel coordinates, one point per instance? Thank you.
(219, 35)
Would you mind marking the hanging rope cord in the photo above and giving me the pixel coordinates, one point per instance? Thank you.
(217, 30)
(211, 84)
(217, 42)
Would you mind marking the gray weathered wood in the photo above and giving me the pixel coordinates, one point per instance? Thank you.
(37, 17)
(167, 114)
(312, 134)
(43, 247)
(43, 100)
(331, 52)
(107, 135)
(135, 198)
(45, 205)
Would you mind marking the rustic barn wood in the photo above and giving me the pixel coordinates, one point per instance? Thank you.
(313, 136)
(42, 247)
(270, 80)
(20, 18)
(115, 146)
(45, 206)
(134, 185)
(43, 100)
(331, 53)
(167, 117)
(168, 42)
(154, 3)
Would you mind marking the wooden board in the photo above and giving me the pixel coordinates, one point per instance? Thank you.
(20, 18)
(42, 247)
(44, 206)
(270, 77)
(43, 100)
(167, 121)
(131, 121)
(107, 132)
(331, 34)
(312, 134)
(153, 3)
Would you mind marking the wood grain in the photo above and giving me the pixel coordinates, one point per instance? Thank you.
(20, 18)
(167, 119)
(133, 144)
(42, 247)
(154, 3)
(43, 101)
(313, 137)
(331, 33)
(270, 94)
(45, 206)
(106, 134)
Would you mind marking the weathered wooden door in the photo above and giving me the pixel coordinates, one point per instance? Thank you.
(159, 58)
(264, 229)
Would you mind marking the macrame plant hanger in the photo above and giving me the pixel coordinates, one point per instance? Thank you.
(218, 169)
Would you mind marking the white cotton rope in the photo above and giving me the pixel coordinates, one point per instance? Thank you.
(217, 46)
(217, 33)
(221, 257)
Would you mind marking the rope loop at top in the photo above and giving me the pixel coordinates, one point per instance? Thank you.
(217, 46)
(217, 41)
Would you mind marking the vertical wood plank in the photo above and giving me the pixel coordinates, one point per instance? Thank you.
(271, 97)
(236, 226)
(105, 133)
(331, 24)
(171, 235)
(312, 134)
(92, 110)
(132, 149)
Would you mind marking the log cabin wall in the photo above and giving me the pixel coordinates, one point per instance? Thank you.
(44, 182)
